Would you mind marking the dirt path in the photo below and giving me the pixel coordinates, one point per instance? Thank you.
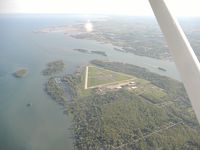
(148, 135)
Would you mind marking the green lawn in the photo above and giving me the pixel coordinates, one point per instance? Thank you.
(99, 76)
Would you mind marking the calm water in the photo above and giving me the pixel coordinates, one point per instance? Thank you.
(43, 126)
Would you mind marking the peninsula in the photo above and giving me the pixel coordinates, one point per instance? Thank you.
(122, 106)
(53, 68)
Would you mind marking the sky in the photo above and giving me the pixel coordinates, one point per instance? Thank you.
(128, 7)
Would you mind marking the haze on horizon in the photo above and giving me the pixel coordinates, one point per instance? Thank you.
(122, 7)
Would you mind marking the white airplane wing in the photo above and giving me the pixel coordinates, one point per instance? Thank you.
(183, 54)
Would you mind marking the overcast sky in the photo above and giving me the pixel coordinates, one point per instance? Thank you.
(130, 7)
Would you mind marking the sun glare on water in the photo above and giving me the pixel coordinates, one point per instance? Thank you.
(88, 26)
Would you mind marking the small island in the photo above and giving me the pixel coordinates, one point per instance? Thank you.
(120, 50)
(29, 105)
(102, 53)
(81, 50)
(162, 69)
(99, 53)
(21, 73)
(53, 68)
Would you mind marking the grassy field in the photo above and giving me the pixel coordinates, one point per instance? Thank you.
(99, 76)
(150, 92)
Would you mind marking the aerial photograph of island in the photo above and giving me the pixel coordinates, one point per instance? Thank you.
(93, 75)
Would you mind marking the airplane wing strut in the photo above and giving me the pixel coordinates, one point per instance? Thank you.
(183, 54)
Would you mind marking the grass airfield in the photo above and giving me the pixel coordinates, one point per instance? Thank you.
(98, 77)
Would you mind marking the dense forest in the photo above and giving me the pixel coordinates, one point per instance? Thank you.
(128, 120)
(124, 120)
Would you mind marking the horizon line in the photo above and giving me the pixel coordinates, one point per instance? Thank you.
(91, 14)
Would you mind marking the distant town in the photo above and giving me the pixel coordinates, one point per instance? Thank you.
(139, 36)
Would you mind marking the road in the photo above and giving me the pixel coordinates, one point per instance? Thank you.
(171, 125)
